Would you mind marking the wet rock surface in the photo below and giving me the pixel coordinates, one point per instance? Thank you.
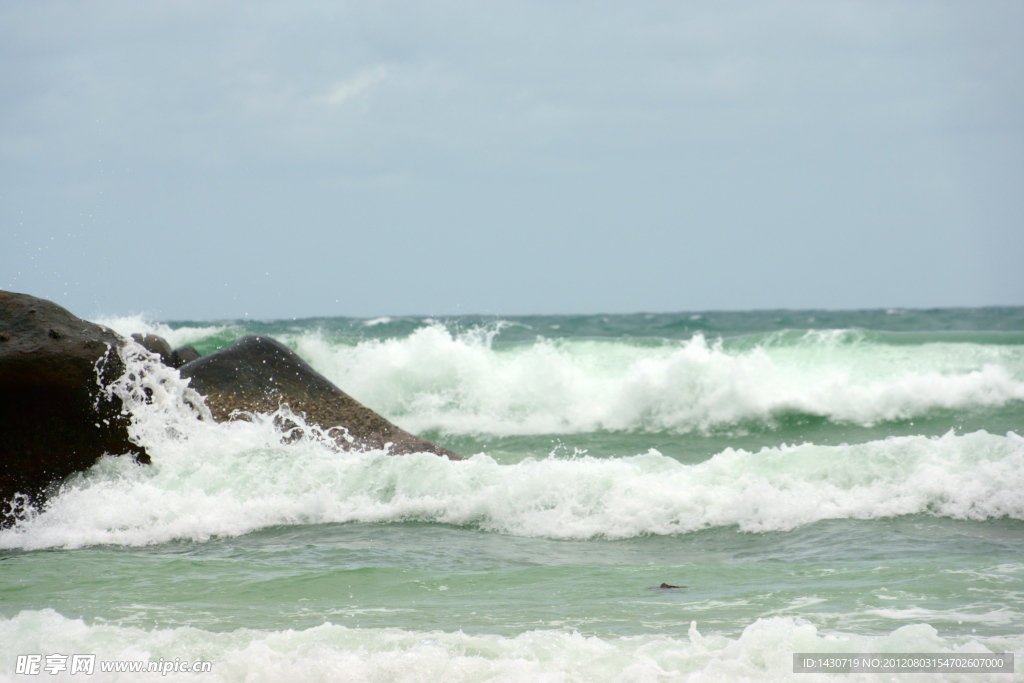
(182, 355)
(258, 374)
(55, 419)
(155, 344)
(58, 418)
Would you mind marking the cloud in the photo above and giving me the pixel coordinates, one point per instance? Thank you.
(365, 79)
(768, 140)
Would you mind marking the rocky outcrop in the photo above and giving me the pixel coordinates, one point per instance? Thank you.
(182, 355)
(258, 375)
(154, 343)
(57, 419)
(54, 418)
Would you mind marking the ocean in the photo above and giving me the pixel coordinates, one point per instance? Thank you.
(805, 481)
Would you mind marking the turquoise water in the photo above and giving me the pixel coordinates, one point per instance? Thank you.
(811, 481)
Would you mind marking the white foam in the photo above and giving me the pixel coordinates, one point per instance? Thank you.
(176, 337)
(463, 384)
(763, 651)
(211, 479)
(228, 479)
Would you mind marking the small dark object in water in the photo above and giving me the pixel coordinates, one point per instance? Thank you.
(666, 586)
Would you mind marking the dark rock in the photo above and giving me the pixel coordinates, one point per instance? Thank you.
(54, 418)
(156, 344)
(182, 355)
(258, 374)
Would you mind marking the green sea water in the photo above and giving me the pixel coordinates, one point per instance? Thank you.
(807, 481)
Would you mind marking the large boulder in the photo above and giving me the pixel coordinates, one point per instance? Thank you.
(182, 355)
(55, 419)
(257, 374)
(154, 343)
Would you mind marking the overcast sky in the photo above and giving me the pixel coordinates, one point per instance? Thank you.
(207, 159)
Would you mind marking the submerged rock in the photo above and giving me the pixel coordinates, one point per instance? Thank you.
(258, 374)
(55, 418)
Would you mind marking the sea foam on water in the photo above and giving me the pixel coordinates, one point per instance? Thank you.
(230, 479)
(210, 479)
(213, 481)
(763, 651)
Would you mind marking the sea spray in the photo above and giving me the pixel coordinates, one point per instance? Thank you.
(731, 454)
(434, 380)
(211, 479)
(453, 380)
(225, 480)
(175, 336)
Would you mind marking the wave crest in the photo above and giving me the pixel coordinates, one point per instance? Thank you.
(229, 479)
(465, 384)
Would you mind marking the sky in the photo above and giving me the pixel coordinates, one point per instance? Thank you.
(203, 159)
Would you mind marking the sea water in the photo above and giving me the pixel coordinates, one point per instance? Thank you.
(806, 482)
